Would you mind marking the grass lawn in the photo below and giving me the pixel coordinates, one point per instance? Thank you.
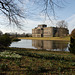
(36, 62)
(47, 38)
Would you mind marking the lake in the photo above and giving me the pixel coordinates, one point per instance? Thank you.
(41, 44)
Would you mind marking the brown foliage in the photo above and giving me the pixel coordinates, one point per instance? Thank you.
(73, 33)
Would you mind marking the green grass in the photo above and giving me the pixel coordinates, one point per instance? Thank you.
(47, 38)
(39, 62)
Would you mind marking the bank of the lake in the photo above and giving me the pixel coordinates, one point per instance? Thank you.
(36, 62)
(47, 38)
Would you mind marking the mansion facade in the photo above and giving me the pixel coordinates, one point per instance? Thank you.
(44, 31)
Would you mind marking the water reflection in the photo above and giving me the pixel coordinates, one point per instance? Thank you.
(50, 45)
(40, 44)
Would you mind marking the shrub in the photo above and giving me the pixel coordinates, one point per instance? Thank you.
(16, 39)
(5, 40)
(7, 54)
(42, 69)
(72, 42)
(73, 34)
(4, 67)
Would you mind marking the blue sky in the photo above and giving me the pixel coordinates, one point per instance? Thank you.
(66, 13)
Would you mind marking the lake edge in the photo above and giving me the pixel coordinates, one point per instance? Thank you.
(47, 38)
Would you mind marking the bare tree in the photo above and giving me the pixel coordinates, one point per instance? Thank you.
(47, 7)
(63, 27)
(62, 24)
(11, 8)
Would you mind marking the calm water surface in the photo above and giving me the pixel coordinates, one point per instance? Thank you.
(42, 44)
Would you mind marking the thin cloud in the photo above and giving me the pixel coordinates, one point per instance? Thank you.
(71, 22)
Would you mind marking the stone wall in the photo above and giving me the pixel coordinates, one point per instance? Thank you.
(43, 31)
(61, 32)
(48, 32)
(37, 32)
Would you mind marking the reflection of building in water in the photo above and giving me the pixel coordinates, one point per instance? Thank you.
(38, 44)
(44, 31)
(48, 44)
(41, 44)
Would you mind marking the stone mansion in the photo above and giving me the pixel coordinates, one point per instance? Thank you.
(44, 31)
